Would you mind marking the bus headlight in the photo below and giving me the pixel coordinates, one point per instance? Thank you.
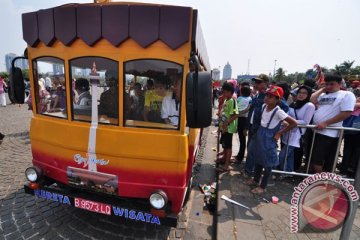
(158, 199)
(32, 174)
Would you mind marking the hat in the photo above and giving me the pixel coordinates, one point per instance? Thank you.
(276, 91)
(262, 77)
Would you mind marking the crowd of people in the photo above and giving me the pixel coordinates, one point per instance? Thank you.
(51, 94)
(269, 114)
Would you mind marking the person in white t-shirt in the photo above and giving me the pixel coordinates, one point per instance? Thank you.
(302, 110)
(333, 106)
(48, 83)
(171, 105)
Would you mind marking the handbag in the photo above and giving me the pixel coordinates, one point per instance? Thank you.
(302, 138)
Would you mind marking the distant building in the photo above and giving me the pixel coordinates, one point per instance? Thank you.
(21, 63)
(8, 59)
(216, 74)
(86, 72)
(245, 78)
(227, 72)
(58, 69)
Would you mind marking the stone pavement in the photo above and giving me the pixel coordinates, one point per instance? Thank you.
(23, 216)
(201, 223)
(264, 220)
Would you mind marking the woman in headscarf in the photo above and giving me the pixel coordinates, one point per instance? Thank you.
(302, 110)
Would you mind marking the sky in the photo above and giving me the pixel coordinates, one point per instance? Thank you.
(295, 33)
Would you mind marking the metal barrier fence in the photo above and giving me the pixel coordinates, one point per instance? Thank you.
(341, 135)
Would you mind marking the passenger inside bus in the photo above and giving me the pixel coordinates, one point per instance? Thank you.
(171, 104)
(83, 102)
(153, 102)
(109, 104)
(44, 97)
(58, 94)
(137, 100)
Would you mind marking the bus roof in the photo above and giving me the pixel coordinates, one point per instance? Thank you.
(116, 22)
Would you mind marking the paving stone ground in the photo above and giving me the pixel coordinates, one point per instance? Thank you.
(22, 216)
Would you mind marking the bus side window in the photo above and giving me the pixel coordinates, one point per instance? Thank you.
(50, 89)
(106, 92)
(154, 90)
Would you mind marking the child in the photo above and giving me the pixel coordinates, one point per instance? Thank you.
(243, 106)
(228, 125)
(267, 136)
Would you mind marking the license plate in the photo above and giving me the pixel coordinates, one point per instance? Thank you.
(92, 206)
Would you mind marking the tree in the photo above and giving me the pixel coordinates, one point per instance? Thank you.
(344, 68)
(4, 75)
(292, 77)
(355, 70)
(280, 75)
(346, 65)
(325, 70)
(25, 73)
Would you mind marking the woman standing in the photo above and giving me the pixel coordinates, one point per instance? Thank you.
(2, 92)
(302, 110)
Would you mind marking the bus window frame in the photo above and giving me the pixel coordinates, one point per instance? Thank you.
(71, 96)
(36, 86)
(181, 94)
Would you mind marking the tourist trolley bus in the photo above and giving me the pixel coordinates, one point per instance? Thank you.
(119, 92)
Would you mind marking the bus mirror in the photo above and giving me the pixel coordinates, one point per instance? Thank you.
(17, 85)
(198, 99)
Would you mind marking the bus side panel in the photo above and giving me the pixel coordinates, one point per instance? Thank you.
(142, 162)
(194, 141)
